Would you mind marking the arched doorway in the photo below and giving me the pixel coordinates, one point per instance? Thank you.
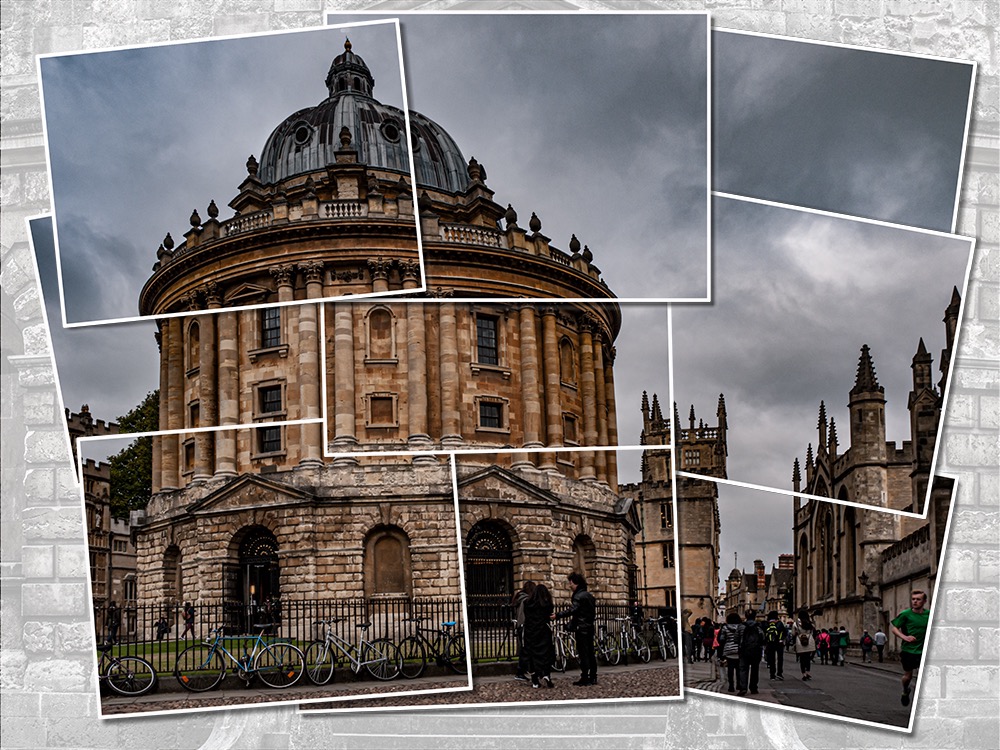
(489, 571)
(251, 584)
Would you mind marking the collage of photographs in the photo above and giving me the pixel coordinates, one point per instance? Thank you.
(505, 357)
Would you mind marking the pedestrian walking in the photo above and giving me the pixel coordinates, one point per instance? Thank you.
(910, 626)
(805, 642)
(867, 644)
(730, 636)
(843, 642)
(823, 646)
(751, 652)
(517, 602)
(775, 635)
(114, 621)
(834, 646)
(708, 638)
(162, 627)
(880, 640)
(538, 645)
(188, 615)
(582, 613)
(697, 639)
(687, 634)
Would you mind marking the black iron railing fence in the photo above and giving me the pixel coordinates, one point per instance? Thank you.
(159, 632)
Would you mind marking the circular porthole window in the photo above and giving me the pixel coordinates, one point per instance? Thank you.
(391, 131)
(302, 133)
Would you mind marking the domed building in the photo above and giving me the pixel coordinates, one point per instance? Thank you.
(328, 208)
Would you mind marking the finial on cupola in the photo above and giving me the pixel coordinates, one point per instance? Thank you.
(510, 216)
(574, 245)
(475, 170)
(534, 223)
(213, 210)
(195, 218)
(168, 242)
(587, 255)
(345, 137)
(252, 166)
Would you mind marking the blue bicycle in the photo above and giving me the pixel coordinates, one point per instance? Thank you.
(203, 666)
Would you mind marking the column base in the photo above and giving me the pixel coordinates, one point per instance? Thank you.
(452, 441)
(345, 445)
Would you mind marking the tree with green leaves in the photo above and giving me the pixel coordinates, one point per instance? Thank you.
(132, 467)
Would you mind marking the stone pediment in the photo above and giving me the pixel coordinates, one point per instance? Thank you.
(498, 484)
(247, 293)
(249, 491)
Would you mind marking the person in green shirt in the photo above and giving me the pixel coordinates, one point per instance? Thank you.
(910, 626)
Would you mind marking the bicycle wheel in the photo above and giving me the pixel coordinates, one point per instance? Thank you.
(199, 668)
(319, 662)
(661, 645)
(455, 654)
(130, 675)
(279, 665)
(560, 662)
(610, 651)
(671, 647)
(383, 657)
(642, 649)
(413, 656)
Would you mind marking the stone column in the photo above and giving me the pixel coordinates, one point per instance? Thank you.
(161, 418)
(311, 435)
(344, 439)
(451, 417)
(553, 388)
(208, 390)
(379, 268)
(284, 278)
(416, 376)
(588, 396)
(410, 271)
(600, 387)
(531, 403)
(229, 392)
(609, 397)
(173, 401)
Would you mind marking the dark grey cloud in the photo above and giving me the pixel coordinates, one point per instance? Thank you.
(138, 138)
(859, 132)
(796, 295)
(597, 123)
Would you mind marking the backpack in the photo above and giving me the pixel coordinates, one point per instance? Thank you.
(753, 639)
(772, 635)
(867, 641)
(804, 639)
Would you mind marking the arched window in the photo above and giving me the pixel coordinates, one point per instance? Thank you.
(802, 573)
(826, 547)
(173, 589)
(193, 346)
(387, 562)
(381, 342)
(489, 562)
(583, 555)
(850, 551)
(567, 361)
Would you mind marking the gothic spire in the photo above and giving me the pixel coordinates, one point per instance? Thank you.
(657, 414)
(866, 380)
(796, 474)
(645, 404)
(691, 416)
(821, 424)
(720, 412)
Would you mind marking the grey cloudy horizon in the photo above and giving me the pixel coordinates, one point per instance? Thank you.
(137, 138)
(796, 295)
(873, 134)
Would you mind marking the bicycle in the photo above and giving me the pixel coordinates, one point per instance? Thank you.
(203, 666)
(664, 638)
(565, 647)
(630, 639)
(607, 646)
(380, 657)
(447, 648)
(126, 675)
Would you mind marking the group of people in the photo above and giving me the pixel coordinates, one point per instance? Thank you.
(534, 612)
(741, 644)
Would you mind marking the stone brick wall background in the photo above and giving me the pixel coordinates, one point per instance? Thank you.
(46, 657)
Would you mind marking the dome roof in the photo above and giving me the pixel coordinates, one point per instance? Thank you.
(307, 140)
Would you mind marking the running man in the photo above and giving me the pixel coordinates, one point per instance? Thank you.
(910, 626)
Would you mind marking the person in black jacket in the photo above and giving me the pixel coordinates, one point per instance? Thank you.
(751, 652)
(538, 646)
(582, 613)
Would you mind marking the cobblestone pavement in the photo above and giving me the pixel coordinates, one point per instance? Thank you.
(655, 679)
(869, 692)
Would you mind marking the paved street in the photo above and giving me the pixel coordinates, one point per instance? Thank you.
(860, 691)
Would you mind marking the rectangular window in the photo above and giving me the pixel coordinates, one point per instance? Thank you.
(381, 410)
(692, 457)
(666, 515)
(270, 327)
(270, 399)
(490, 414)
(668, 555)
(569, 429)
(194, 414)
(189, 455)
(487, 352)
(268, 439)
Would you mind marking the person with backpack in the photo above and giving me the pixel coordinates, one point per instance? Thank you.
(867, 644)
(834, 642)
(774, 645)
(805, 641)
(751, 652)
(843, 641)
(823, 646)
(730, 636)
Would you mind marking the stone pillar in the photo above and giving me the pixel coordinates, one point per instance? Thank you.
(229, 392)
(531, 402)
(157, 479)
(379, 269)
(284, 278)
(451, 417)
(410, 271)
(208, 389)
(588, 396)
(600, 387)
(609, 388)
(172, 400)
(553, 387)
(311, 435)
(416, 376)
(344, 439)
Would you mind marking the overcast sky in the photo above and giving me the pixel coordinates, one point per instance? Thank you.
(597, 123)
(138, 138)
(866, 133)
(796, 296)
